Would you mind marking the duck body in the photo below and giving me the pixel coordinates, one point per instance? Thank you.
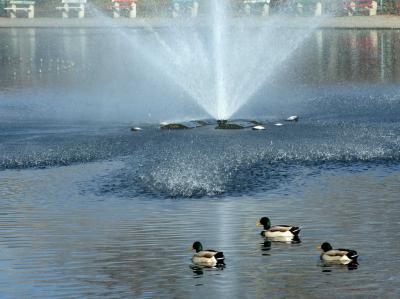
(293, 118)
(136, 129)
(207, 258)
(338, 256)
(277, 231)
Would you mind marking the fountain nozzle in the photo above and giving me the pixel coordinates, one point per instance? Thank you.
(221, 122)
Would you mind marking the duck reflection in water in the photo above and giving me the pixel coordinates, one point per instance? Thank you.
(327, 267)
(199, 270)
(265, 247)
(286, 240)
(267, 244)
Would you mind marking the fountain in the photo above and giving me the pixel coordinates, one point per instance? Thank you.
(221, 62)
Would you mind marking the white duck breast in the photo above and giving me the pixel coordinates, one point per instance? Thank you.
(258, 128)
(283, 239)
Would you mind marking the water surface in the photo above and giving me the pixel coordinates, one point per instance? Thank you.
(89, 209)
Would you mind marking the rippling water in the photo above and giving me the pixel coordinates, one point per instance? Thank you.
(90, 209)
(120, 225)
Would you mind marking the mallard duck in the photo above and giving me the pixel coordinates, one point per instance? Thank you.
(341, 256)
(208, 258)
(293, 118)
(136, 129)
(277, 231)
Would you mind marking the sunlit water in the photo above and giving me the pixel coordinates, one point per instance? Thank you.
(89, 209)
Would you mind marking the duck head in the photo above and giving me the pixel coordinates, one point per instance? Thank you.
(325, 247)
(197, 246)
(265, 222)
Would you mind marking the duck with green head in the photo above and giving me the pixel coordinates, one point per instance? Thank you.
(277, 231)
(337, 256)
(207, 258)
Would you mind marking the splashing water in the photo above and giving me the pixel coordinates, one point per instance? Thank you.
(222, 63)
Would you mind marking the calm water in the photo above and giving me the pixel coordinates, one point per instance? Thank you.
(89, 209)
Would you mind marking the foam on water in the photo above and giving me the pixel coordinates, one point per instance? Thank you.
(195, 165)
(204, 161)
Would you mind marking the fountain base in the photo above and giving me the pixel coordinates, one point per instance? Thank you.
(234, 124)
(180, 125)
(222, 124)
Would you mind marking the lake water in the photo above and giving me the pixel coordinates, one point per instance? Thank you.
(89, 209)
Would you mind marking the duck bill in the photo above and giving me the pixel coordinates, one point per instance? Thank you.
(319, 247)
(258, 224)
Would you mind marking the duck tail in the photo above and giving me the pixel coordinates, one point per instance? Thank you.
(352, 255)
(219, 256)
(295, 230)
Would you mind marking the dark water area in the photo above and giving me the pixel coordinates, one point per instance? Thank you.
(89, 209)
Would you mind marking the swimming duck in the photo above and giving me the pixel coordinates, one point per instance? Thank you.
(136, 129)
(207, 258)
(341, 256)
(293, 118)
(277, 231)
